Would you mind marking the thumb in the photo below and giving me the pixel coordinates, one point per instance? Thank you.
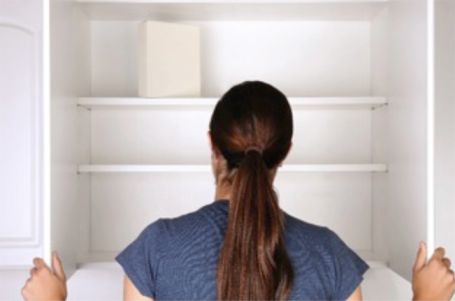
(421, 257)
(57, 266)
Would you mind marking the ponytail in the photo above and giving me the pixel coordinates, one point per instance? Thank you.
(253, 264)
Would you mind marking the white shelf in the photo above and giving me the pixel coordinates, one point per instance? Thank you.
(238, 2)
(160, 168)
(231, 9)
(366, 102)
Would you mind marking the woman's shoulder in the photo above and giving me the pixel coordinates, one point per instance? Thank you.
(313, 234)
(328, 253)
(319, 238)
(180, 225)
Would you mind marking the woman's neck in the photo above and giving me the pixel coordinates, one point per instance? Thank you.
(223, 190)
(221, 193)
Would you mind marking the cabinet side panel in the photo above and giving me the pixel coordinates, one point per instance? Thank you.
(444, 124)
(406, 220)
(69, 79)
(379, 132)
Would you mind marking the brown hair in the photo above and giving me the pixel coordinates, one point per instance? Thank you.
(253, 263)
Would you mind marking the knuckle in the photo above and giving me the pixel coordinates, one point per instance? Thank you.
(440, 249)
(437, 262)
(433, 262)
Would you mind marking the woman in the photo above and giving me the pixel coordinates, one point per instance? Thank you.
(242, 245)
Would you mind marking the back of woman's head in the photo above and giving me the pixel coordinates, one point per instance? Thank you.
(252, 128)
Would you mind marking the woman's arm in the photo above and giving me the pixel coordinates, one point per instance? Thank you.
(131, 293)
(432, 280)
(356, 295)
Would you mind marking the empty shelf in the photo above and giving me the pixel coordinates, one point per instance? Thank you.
(173, 10)
(103, 281)
(366, 102)
(160, 168)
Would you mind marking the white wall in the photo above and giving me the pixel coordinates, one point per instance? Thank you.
(123, 204)
(233, 51)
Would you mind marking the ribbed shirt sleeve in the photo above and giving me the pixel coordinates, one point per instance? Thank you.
(139, 259)
(347, 268)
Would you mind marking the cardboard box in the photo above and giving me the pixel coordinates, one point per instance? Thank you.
(169, 60)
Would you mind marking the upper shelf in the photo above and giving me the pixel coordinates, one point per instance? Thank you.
(175, 10)
(179, 168)
(209, 102)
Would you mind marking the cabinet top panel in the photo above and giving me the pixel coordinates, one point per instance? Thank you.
(232, 9)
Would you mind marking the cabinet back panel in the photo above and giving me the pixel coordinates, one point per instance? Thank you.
(180, 136)
(122, 205)
(299, 57)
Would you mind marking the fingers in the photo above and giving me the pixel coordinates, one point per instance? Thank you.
(421, 257)
(446, 261)
(453, 282)
(33, 271)
(57, 266)
(39, 263)
(439, 253)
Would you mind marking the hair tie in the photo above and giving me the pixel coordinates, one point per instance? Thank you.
(253, 148)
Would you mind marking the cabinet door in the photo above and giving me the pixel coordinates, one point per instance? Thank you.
(21, 141)
(444, 125)
(407, 200)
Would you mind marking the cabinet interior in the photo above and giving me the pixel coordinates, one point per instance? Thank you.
(330, 54)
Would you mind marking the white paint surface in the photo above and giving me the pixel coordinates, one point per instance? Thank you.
(21, 132)
(445, 125)
(233, 51)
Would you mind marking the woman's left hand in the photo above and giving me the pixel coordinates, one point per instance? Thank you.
(46, 283)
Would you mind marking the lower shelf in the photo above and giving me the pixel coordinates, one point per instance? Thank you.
(109, 168)
(103, 281)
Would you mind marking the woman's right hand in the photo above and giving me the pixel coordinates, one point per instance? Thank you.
(46, 283)
(432, 280)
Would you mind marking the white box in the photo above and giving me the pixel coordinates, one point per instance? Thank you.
(169, 59)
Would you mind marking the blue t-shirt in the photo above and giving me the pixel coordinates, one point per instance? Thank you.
(176, 258)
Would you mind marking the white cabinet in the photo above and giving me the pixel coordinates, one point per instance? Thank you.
(370, 160)
(355, 72)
